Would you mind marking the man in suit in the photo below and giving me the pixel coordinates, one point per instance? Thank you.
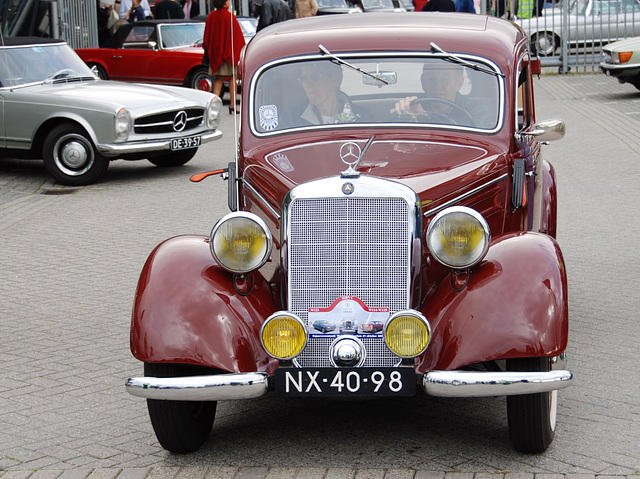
(191, 8)
(168, 9)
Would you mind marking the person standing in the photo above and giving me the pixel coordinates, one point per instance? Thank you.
(168, 9)
(191, 8)
(223, 41)
(465, 6)
(306, 8)
(126, 6)
(270, 12)
(439, 6)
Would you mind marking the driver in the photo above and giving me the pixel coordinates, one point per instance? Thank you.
(441, 84)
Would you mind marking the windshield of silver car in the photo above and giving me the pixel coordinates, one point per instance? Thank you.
(426, 91)
(36, 63)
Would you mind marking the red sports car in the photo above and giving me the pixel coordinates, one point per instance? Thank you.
(153, 51)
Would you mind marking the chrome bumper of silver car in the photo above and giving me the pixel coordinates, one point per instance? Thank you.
(489, 383)
(115, 149)
(219, 387)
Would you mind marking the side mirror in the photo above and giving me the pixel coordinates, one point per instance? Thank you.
(152, 45)
(545, 131)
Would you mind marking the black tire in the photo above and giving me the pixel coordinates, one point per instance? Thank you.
(544, 44)
(180, 426)
(177, 158)
(635, 81)
(531, 417)
(101, 72)
(199, 79)
(70, 156)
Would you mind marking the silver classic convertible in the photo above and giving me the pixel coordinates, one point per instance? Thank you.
(53, 107)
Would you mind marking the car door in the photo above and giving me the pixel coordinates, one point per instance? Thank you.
(139, 59)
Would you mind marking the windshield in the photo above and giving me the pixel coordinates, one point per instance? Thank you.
(35, 63)
(182, 35)
(390, 90)
(332, 4)
(376, 4)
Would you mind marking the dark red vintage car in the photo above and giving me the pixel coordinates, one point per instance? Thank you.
(167, 52)
(389, 169)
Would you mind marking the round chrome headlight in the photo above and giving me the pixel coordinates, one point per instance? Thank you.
(123, 124)
(407, 333)
(213, 112)
(283, 335)
(240, 242)
(458, 237)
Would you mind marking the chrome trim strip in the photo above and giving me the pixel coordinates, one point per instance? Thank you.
(486, 383)
(260, 198)
(218, 387)
(466, 195)
(114, 149)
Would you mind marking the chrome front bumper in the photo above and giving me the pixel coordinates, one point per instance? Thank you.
(501, 383)
(223, 387)
(219, 387)
(115, 149)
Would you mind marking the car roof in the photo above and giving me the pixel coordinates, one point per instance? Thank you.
(27, 41)
(403, 31)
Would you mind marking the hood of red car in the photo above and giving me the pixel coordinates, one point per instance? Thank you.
(420, 165)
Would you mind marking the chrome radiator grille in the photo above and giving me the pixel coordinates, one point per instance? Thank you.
(348, 246)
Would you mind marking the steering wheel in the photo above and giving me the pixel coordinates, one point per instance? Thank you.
(434, 115)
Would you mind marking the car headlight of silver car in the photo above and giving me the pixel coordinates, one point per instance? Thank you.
(214, 107)
(458, 237)
(123, 124)
(240, 242)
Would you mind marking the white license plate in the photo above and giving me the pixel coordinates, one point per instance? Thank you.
(370, 382)
(185, 143)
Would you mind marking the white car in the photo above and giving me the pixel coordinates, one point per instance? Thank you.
(56, 109)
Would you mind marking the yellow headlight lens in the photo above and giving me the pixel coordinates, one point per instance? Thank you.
(283, 335)
(407, 334)
(240, 242)
(458, 237)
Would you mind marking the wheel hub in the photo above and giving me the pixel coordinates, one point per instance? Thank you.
(74, 155)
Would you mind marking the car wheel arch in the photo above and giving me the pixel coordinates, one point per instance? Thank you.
(50, 123)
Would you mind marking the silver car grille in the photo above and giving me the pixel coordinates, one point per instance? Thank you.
(348, 246)
(177, 121)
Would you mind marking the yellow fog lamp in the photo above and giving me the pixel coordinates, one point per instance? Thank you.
(458, 237)
(283, 335)
(407, 333)
(240, 242)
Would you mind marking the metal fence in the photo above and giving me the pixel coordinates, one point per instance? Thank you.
(569, 34)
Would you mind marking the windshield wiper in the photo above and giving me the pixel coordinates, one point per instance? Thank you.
(353, 67)
(456, 59)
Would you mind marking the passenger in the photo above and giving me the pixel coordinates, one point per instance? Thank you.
(443, 101)
(326, 102)
(134, 10)
(167, 10)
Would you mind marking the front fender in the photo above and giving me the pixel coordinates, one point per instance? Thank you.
(187, 310)
(513, 305)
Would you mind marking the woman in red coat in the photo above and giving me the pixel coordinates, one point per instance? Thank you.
(223, 40)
